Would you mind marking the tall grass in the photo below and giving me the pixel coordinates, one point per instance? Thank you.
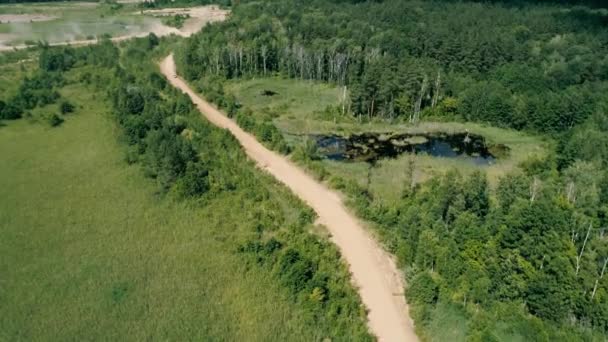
(90, 251)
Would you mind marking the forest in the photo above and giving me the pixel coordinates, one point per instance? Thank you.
(522, 259)
(531, 252)
(543, 69)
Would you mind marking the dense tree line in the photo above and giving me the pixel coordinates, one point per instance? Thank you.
(540, 67)
(532, 252)
(535, 249)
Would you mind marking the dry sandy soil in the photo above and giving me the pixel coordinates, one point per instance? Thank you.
(199, 17)
(24, 18)
(374, 272)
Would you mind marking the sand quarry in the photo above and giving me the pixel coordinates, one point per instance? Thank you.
(198, 17)
(24, 18)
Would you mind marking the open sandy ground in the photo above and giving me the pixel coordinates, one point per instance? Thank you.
(24, 18)
(374, 272)
(199, 17)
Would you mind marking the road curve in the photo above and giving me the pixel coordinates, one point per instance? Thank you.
(374, 272)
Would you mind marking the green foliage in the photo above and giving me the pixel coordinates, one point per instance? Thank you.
(10, 111)
(66, 107)
(55, 120)
(176, 21)
(423, 289)
(195, 181)
(464, 248)
(265, 131)
(56, 59)
(542, 70)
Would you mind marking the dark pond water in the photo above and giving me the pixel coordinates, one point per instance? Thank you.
(371, 147)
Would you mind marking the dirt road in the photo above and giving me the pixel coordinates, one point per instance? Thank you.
(373, 271)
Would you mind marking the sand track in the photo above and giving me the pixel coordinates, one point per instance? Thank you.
(374, 272)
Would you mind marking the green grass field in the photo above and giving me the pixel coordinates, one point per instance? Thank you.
(294, 99)
(91, 251)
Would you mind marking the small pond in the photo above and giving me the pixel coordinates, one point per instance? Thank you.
(371, 147)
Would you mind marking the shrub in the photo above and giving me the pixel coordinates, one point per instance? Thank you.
(66, 107)
(195, 181)
(11, 111)
(55, 120)
(423, 289)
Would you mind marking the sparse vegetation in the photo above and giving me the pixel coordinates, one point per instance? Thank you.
(176, 21)
(55, 120)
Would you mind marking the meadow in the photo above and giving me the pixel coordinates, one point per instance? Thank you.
(288, 98)
(92, 250)
(298, 109)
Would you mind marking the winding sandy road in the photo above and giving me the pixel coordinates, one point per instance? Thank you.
(374, 272)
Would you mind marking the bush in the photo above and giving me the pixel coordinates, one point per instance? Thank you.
(55, 120)
(11, 111)
(57, 59)
(176, 21)
(423, 289)
(295, 270)
(66, 107)
(195, 181)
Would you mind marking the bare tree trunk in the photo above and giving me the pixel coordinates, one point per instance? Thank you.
(598, 279)
(343, 100)
(217, 61)
(580, 256)
(301, 58)
(542, 263)
(264, 50)
(319, 66)
(240, 60)
(436, 92)
(534, 188)
(571, 192)
(423, 87)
